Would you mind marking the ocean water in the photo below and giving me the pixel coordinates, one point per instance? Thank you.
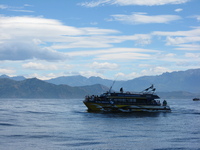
(60, 124)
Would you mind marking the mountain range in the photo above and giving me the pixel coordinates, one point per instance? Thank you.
(179, 84)
(16, 78)
(35, 88)
(188, 80)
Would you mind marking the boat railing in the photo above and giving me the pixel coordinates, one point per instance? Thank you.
(92, 98)
(98, 99)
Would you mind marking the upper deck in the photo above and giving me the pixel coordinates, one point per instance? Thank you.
(130, 95)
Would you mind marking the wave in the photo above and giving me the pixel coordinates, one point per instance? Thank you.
(7, 124)
(38, 112)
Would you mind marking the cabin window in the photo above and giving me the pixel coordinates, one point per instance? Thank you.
(133, 100)
(141, 101)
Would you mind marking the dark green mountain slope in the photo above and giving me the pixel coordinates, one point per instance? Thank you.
(35, 88)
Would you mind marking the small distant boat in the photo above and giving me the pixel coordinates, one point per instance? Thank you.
(196, 99)
(127, 102)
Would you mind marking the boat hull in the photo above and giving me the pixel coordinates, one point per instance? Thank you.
(196, 99)
(93, 106)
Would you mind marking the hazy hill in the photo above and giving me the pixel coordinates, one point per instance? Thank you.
(80, 81)
(167, 82)
(185, 82)
(95, 89)
(178, 95)
(35, 88)
(16, 78)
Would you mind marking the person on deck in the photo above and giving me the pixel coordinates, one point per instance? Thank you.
(121, 90)
(164, 103)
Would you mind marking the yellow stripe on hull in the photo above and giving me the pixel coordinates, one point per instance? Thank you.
(124, 108)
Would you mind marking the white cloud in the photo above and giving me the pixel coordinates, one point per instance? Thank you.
(143, 39)
(94, 3)
(193, 55)
(102, 41)
(17, 9)
(47, 76)
(192, 47)
(104, 66)
(22, 10)
(131, 2)
(35, 26)
(91, 73)
(36, 37)
(148, 2)
(170, 55)
(94, 23)
(3, 6)
(25, 37)
(48, 30)
(129, 76)
(149, 70)
(39, 66)
(197, 17)
(41, 76)
(123, 56)
(193, 32)
(97, 31)
(28, 5)
(84, 42)
(155, 70)
(183, 40)
(111, 51)
(7, 71)
(28, 50)
(143, 18)
(178, 10)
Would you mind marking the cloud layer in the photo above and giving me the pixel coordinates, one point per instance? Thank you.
(28, 50)
(29, 37)
(143, 18)
(131, 2)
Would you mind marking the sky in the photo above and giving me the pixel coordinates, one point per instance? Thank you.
(112, 39)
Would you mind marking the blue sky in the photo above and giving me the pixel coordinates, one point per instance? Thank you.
(121, 39)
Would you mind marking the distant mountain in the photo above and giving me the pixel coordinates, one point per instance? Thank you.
(188, 80)
(35, 88)
(80, 81)
(95, 89)
(69, 80)
(178, 95)
(16, 78)
(167, 82)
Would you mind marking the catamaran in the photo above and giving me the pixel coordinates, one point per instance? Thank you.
(146, 101)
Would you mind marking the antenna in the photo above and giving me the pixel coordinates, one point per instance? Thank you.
(112, 85)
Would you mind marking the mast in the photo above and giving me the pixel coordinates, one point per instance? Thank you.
(111, 86)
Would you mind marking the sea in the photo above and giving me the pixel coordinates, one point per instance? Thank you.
(62, 124)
